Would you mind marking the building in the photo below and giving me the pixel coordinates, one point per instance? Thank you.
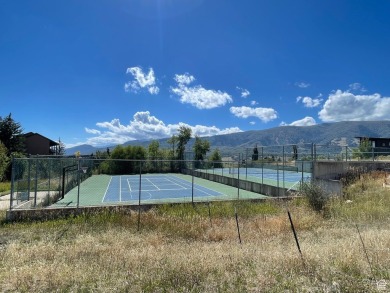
(37, 144)
(378, 144)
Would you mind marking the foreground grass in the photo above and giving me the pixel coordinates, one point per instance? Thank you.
(197, 249)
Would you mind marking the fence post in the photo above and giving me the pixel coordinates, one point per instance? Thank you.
(192, 185)
(36, 182)
(78, 182)
(139, 196)
(12, 183)
(238, 177)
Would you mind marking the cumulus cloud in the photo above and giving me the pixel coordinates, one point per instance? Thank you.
(346, 106)
(309, 102)
(91, 131)
(244, 92)
(302, 84)
(145, 126)
(141, 81)
(264, 114)
(307, 121)
(198, 96)
(253, 103)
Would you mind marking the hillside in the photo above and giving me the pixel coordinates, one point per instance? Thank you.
(339, 133)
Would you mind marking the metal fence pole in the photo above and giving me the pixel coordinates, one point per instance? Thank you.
(283, 164)
(277, 176)
(238, 178)
(12, 183)
(28, 179)
(36, 182)
(262, 165)
(49, 189)
(139, 196)
(192, 185)
(78, 182)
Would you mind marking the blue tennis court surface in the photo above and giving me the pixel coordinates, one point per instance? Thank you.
(272, 174)
(127, 188)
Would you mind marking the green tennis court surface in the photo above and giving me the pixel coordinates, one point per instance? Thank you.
(148, 189)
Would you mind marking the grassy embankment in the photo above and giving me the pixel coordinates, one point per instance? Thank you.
(5, 187)
(182, 249)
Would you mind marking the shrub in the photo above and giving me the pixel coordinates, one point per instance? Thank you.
(316, 196)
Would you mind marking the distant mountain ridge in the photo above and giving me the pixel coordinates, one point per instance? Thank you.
(338, 133)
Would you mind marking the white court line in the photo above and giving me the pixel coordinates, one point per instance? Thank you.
(105, 193)
(176, 183)
(153, 183)
(128, 183)
(202, 191)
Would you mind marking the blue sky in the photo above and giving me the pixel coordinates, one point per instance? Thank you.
(106, 72)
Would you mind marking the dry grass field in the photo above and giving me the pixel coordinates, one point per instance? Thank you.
(345, 248)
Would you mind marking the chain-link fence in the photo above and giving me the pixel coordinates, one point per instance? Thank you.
(41, 182)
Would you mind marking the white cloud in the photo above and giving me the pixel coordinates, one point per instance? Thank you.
(141, 80)
(244, 92)
(302, 84)
(91, 131)
(253, 103)
(264, 114)
(307, 121)
(145, 126)
(356, 87)
(346, 106)
(252, 122)
(198, 96)
(309, 102)
(184, 79)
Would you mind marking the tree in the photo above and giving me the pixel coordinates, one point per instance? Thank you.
(153, 150)
(11, 135)
(61, 148)
(4, 161)
(201, 147)
(126, 160)
(216, 158)
(364, 150)
(182, 138)
(172, 141)
(255, 155)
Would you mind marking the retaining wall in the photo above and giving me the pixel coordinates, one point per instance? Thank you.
(328, 173)
(264, 189)
(40, 214)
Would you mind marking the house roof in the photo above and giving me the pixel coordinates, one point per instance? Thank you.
(30, 134)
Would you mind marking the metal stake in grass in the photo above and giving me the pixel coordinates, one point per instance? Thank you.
(365, 251)
(211, 224)
(296, 238)
(238, 226)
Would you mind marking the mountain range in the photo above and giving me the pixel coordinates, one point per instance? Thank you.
(337, 134)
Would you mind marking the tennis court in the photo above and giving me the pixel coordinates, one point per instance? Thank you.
(133, 187)
(100, 190)
(275, 177)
